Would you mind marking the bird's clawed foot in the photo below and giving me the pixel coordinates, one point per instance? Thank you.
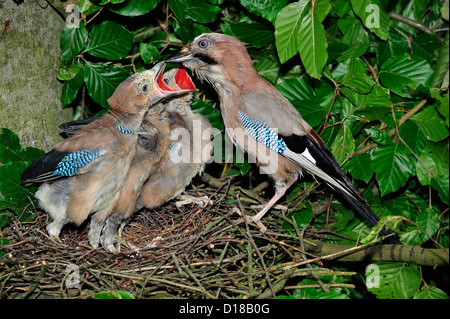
(251, 219)
(201, 201)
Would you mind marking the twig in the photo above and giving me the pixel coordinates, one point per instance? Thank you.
(417, 25)
(257, 250)
(302, 247)
(402, 121)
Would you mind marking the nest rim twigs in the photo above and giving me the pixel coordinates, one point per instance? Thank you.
(191, 252)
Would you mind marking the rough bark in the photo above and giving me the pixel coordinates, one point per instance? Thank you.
(29, 61)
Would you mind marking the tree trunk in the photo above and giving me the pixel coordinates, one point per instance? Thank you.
(29, 61)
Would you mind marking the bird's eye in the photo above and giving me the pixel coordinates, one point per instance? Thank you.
(145, 88)
(203, 44)
(166, 80)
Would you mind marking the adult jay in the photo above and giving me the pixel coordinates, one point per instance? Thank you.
(263, 123)
(84, 173)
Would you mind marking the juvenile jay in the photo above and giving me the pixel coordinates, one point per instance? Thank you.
(262, 122)
(168, 177)
(190, 136)
(165, 177)
(84, 173)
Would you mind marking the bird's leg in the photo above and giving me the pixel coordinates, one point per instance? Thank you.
(268, 206)
(54, 228)
(110, 233)
(279, 192)
(95, 231)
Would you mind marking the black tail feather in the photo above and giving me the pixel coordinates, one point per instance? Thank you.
(370, 216)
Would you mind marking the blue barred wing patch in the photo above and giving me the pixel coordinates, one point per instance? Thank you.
(263, 134)
(70, 164)
(124, 130)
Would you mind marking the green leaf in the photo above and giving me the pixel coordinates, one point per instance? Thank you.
(206, 108)
(68, 93)
(243, 166)
(436, 159)
(431, 124)
(264, 8)
(268, 69)
(134, 8)
(356, 77)
(443, 104)
(302, 217)
(109, 40)
(428, 220)
(73, 41)
(403, 72)
(344, 144)
(287, 27)
(178, 8)
(442, 62)
(393, 165)
(297, 89)
(318, 293)
(390, 222)
(69, 73)
(441, 184)
(70, 88)
(255, 33)
(314, 54)
(13, 196)
(189, 30)
(300, 93)
(396, 44)
(413, 137)
(430, 292)
(425, 46)
(87, 7)
(101, 80)
(11, 150)
(149, 53)
(200, 11)
(372, 106)
(373, 16)
(355, 39)
(313, 113)
(321, 9)
(360, 167)
(114, 294)
(380, 137)
(445, 10)
(389, 280)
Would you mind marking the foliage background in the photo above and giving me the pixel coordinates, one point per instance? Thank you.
(376, 92)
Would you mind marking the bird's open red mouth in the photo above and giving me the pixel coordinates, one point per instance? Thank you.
(161, 84)
(183, 80)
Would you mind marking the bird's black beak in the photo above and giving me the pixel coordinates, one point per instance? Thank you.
(181, 58)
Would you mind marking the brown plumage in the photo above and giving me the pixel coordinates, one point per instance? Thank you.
(168, 129)
(152, 164)
(262, 122)
(190, 135)
(84, 173)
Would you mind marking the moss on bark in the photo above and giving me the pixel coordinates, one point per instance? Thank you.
(29, 61)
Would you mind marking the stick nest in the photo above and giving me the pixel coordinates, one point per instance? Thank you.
(191, 252)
